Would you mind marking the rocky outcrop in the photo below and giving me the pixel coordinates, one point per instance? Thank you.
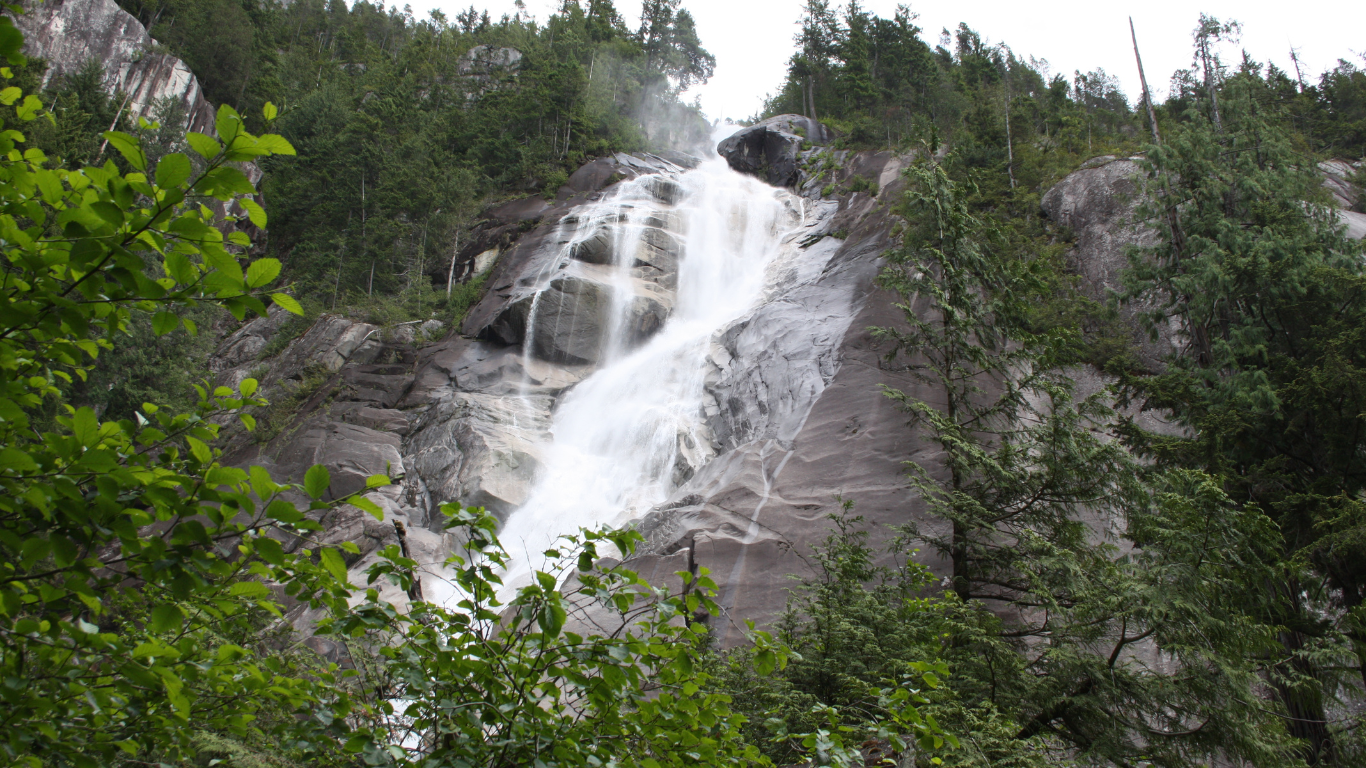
(1340, 179)
(484, 67)
(502, 226)
(563, 284)
(1099, 203)
(69, 33)
(771, 149)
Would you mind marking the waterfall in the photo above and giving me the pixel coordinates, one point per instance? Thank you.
(627, 435)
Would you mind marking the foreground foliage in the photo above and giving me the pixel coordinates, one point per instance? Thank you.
(605, 669)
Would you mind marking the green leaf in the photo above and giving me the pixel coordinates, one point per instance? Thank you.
(228, 123)
(167, 618)
(179, 268)
(173, 170)
(261, 482)
(274, 145)
(251, 589)
(207, 147)
(10, 95)
(11, 44)
(262, 271)
(129, 147)
(333, 562)
(269, 549)
(269, 112)
(224, 182)
(765, 662)
(360, 502)
(248, 387)
(255, 212)
(552, 619)
(29, 110)
(200, 451)
(283, 511)
(317, 480)
(50, 186)
(287, 303)
(377, 481)
(16, 460)
(164, 322)
(85, 427)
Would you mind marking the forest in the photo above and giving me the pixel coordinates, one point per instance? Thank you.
(1221, 621)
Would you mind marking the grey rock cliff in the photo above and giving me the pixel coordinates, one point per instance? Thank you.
(69, 33)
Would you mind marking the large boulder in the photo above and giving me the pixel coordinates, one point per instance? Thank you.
(350, 452)
(771, 149)
(1099, 202)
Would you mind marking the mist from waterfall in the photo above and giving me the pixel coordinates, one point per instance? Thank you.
(628, 434)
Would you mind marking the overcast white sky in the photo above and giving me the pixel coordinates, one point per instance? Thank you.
(752, 39)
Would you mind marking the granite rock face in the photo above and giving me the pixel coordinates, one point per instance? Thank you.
(793, 402)
(69, 33)
(1099, 203)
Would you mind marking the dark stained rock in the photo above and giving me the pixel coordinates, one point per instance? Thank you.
(381, 419)
(594, 249)
(656, 258)
(516, 211)
(771, 149)
(380, 385)
(592, 177)
(664, 189)
(568, 320)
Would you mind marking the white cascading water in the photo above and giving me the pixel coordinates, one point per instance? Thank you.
(616, 437)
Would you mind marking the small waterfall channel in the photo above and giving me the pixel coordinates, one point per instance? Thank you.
(626, 436)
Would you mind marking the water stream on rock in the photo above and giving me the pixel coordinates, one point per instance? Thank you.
(627, 435)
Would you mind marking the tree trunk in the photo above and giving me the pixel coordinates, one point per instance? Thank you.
(1143, 79)
(450, 275)
(1306, 718)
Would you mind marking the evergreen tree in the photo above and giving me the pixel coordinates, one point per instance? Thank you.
(1254, 271)
(1071, 565)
